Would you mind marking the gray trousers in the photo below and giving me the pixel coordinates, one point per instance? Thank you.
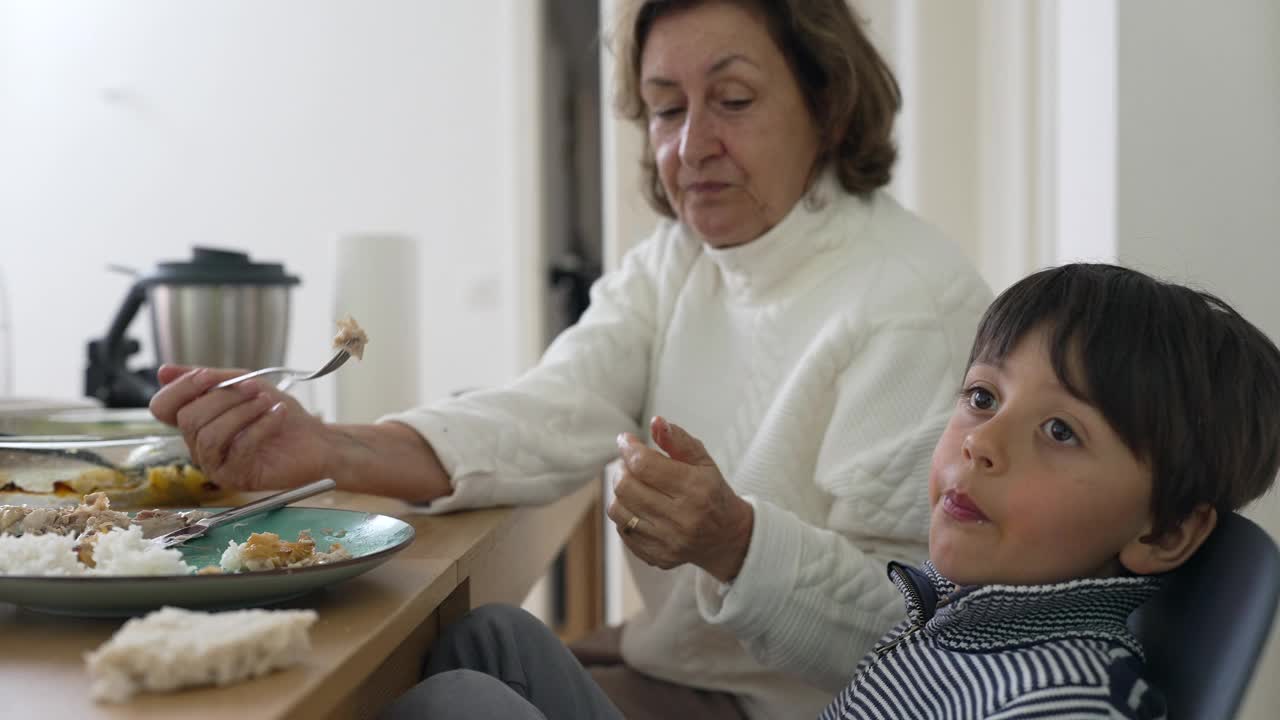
(502, 662)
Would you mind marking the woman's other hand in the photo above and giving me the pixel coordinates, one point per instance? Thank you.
(249, 436)
(677, 508)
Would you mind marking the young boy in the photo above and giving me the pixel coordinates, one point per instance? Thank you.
(1105, 421)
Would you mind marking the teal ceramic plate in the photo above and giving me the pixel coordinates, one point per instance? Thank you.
(370, 538)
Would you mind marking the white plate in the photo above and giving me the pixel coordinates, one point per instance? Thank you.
(43, 406)
(104, 415)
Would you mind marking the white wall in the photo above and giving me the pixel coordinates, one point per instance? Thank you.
(1199, 152)
(1198, 174)
(131, 131)
(1079, 131)
(971, 132)
(6, 353)
(933, 50)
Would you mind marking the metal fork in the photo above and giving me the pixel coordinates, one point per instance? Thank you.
(257, 507)
(292, 376)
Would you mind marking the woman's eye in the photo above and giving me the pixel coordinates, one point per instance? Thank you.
(741, 104)
(1060, 432)
(667, 112)
(980, 399)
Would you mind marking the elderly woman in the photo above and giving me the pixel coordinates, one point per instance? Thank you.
(790, 316)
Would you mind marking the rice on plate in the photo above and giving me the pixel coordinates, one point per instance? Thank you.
(118, 551)
(93, 540)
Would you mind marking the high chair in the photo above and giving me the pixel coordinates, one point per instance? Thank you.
(1203, 633)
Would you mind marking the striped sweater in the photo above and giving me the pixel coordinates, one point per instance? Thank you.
(1003, 651)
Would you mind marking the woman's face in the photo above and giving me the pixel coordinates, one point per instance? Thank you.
(734, 141)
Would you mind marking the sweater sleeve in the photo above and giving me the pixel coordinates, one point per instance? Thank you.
(812, 596)
(543, 435)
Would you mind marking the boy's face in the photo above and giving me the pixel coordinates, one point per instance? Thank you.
(1030, 485)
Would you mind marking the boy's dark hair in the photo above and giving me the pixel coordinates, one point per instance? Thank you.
(1190, 386)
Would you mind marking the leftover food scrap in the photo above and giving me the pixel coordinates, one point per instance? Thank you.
(65, 478)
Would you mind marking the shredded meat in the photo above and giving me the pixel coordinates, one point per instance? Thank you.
(11, 517)
(266, 551)
(351, 337)
(158, 522)
(93, 514)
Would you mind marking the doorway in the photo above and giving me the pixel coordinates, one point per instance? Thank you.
(574, 235)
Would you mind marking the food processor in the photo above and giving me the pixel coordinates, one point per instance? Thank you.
(217, 309)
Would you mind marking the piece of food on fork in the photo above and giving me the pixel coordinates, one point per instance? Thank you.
(350, 337)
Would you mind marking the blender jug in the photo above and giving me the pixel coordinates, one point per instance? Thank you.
(218, 309)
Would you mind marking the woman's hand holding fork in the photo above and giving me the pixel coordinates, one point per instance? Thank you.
(252, 436)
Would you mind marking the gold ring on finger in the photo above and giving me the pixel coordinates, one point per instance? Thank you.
(631, 525)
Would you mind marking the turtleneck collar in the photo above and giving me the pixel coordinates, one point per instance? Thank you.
(753, 268)
(993, 617)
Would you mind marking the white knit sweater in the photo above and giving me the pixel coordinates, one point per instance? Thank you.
(818, 364)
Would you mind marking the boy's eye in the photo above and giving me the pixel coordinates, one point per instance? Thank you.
(1060, 432)
(981, 399)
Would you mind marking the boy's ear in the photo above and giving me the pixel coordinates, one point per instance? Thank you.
(1150, 554)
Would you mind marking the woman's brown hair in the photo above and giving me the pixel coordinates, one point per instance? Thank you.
(848, 87)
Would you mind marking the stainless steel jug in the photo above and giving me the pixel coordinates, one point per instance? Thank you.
(218, 309)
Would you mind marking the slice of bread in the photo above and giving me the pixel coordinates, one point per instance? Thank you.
(173, 648)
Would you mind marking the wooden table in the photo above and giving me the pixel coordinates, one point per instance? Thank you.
(368, 644)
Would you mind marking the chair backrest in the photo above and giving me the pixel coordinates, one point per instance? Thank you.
(1204, 631)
